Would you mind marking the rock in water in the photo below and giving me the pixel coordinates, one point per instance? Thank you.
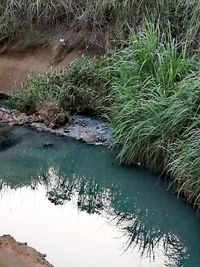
(48, 145)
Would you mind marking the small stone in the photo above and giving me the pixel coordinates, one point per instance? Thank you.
(47, 145)
(89, 139)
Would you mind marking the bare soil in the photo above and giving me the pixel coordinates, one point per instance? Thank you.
(15, 254)
(35, 53)
(15, 67)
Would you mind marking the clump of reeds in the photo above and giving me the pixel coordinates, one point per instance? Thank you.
(156, 109)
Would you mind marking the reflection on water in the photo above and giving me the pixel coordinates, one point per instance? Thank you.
(7, 139)
(111, 215)
(89, 197)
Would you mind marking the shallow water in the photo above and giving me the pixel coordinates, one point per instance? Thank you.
(2, 103)
(68, 200)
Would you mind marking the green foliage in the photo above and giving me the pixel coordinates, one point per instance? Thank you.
(80, 89)
(156, 107)
(184, 165)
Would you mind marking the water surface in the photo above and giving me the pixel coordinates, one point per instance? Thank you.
(70, 201)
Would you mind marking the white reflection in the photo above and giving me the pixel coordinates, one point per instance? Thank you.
(68, 237)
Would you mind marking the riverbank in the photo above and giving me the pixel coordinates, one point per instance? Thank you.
(79, 127)
(15, 67)
(146, 84)
(148, 90)
(15, 254)
(40, 53)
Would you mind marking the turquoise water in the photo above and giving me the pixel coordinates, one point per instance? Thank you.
(72, 202)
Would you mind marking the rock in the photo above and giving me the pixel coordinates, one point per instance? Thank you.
(47, 145)
(52, 115)
(89, 139)
(89, 130)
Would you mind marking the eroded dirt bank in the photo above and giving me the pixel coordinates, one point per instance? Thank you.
(15, 67)
(38, 53)
(15, 254)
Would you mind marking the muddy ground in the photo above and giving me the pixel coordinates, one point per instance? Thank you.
(15, 254)
(79, 127)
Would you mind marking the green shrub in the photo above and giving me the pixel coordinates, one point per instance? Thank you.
(80, 89)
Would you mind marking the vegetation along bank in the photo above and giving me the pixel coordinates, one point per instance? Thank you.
(147, 84)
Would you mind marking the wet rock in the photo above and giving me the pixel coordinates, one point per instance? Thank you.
(78, 127)
(89, 139)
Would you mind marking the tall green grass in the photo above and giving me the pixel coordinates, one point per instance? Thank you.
(156, 109)
(184, 166)
(112, 17)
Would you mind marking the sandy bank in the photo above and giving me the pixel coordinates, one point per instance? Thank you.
(15, 254)
(14, 68)
(40, 53)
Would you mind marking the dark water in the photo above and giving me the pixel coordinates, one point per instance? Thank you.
(68, 200)
(3, 103)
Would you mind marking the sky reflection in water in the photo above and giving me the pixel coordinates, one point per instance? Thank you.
(72, 203)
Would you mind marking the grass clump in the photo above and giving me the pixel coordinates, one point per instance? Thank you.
(184, 165)
(156, 109)
(80, 89)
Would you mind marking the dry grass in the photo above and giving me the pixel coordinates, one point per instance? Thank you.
(113, 19)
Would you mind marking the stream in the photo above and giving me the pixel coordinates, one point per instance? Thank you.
(71, 201)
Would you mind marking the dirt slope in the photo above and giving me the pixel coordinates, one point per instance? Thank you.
(15, 67)
(34, 53)
(14, 254)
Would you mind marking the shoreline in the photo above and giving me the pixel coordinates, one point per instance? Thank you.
(79, 127)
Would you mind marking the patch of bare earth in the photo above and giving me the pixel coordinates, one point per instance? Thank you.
(14, 68)
(15, 254)
(34, 54)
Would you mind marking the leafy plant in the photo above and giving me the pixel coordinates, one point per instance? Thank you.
(80, 89)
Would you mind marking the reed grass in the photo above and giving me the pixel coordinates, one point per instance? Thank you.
(156, 109)
(112, 17)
